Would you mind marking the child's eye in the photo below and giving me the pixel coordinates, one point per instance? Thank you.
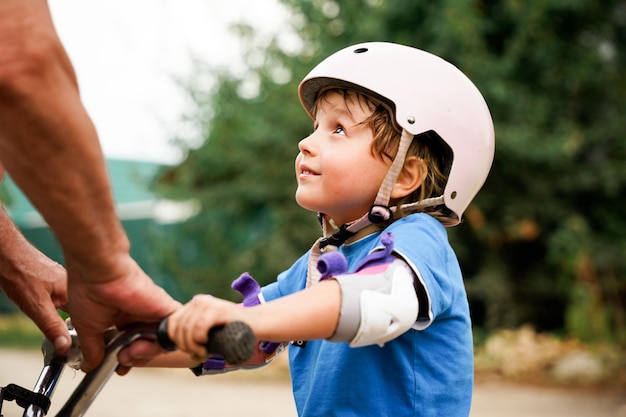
(339, 130)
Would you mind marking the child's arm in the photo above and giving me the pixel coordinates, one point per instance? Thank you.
(373, 305)
(176, 359)
(309, 314)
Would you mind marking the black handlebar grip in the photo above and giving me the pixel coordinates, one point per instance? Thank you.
(234, 341)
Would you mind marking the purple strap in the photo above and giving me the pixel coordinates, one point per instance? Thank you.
(214, 362)
(332, 264)
(380, 256)
(335, 263)
(250, 290)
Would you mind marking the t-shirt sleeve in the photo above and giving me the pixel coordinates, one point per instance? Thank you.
(288, 282)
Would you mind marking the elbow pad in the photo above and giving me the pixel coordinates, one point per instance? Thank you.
(378, 304)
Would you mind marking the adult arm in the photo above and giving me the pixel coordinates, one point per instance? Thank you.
(48, 143)
(50, 147)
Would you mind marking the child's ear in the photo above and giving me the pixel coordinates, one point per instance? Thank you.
(410, 177)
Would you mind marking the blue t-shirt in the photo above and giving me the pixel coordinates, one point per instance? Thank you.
(425, 372)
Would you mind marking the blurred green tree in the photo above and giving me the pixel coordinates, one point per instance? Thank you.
(544, 241)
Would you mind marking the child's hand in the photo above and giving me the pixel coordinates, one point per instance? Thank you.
(189, 326)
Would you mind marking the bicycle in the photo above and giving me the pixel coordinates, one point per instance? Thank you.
(235, 342)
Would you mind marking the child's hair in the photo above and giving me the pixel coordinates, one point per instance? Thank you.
(428, 147)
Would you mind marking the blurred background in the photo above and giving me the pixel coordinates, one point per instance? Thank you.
(543, 245)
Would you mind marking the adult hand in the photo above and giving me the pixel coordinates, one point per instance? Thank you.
(34, 282)
(126, 298)
(37, 285)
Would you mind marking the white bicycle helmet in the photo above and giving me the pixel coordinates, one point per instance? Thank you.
(427, 93)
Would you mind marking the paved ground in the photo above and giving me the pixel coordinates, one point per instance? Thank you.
(177, 393)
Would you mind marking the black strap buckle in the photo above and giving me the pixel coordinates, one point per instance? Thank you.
(338, 238)
(379, 213)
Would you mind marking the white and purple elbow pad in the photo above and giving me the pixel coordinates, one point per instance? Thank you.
(378, 301)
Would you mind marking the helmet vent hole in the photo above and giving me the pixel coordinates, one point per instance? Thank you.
(453, 195)
(360, 50)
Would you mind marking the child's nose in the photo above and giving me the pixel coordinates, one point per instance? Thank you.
(305, 145)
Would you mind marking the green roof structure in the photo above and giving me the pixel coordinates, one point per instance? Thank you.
(144, 216)
(130, 181)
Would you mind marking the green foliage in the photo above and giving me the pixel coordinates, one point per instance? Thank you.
(551, 208)
(543, 242)
(243, 177)
(17, 330)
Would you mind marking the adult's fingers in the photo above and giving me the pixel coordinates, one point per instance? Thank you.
(138, 353)
(53, 327)
(92, 347)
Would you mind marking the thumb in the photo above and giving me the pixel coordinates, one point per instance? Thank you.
(54, 329)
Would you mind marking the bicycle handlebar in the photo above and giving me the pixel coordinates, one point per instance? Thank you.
(234, 341)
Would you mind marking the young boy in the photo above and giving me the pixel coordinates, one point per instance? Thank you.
(402, 142)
